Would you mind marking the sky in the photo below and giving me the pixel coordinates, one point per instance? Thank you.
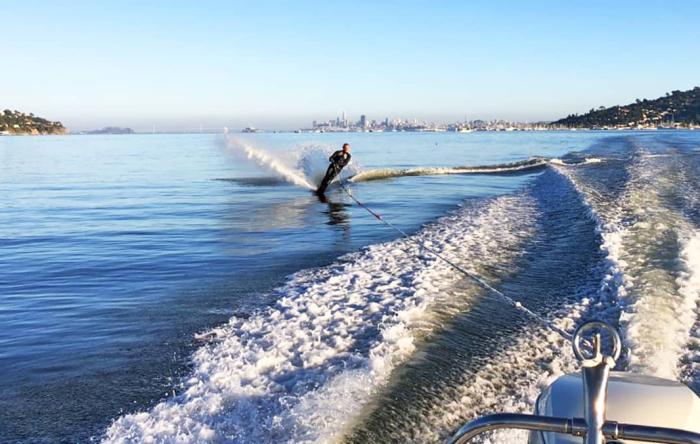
(281, 64)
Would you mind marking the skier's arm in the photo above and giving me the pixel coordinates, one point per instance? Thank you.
(334, 157)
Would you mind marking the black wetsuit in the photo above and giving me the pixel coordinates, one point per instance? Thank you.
(338, 161)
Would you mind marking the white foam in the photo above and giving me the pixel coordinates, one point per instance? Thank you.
(300, 370)
(387, 173)
(657, 298)
(304, 165)
(690, 279)
(690, 289)
(272, 163)
(657, 313)
(588, 160)
(508, 381)
(513, 167)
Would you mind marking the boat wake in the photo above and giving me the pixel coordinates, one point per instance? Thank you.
(297, 371)
(485, 357)
(527, 166)
(388, 344)
(654, 253)
(306, 166)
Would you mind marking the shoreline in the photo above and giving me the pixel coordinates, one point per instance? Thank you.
(549, 130)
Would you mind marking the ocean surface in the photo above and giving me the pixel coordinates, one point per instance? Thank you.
(191, 288)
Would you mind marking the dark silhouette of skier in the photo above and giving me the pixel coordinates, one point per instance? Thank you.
(338, 161)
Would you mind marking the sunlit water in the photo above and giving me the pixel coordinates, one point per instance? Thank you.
(118, 251)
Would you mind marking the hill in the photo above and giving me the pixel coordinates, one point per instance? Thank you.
(675, 109)
(110, 130)
(15, 122)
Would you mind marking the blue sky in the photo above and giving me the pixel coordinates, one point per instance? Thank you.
(281, 64)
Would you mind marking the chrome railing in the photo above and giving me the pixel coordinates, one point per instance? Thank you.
(592, 427)
(572, 426)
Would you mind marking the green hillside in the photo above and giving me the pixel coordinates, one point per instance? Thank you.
(675, 109)
(15, 122)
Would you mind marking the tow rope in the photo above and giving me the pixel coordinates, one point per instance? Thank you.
(507, 299)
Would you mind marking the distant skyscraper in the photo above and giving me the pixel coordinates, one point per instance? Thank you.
(363, 121)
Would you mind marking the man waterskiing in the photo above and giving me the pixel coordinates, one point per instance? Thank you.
(338, 161)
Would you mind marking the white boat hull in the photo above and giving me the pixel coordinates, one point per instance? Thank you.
(635, 399)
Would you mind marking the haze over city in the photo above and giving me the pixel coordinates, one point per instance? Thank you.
(283, 64)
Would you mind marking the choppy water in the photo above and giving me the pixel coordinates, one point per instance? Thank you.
(320, 325)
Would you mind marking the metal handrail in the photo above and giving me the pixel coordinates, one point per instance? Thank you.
(571, 426)
(518, 421)
(593, 427)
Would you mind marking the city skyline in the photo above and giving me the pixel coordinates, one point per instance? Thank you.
(280, 66)
(345, 123)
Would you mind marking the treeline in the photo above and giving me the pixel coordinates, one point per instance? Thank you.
(15, 122)
(677, 108)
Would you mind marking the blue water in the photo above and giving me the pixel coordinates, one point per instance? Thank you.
(116, 250)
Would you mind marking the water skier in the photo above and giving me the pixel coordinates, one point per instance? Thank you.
(338, 161)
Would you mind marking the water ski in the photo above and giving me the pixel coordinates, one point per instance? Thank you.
(321, 197)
